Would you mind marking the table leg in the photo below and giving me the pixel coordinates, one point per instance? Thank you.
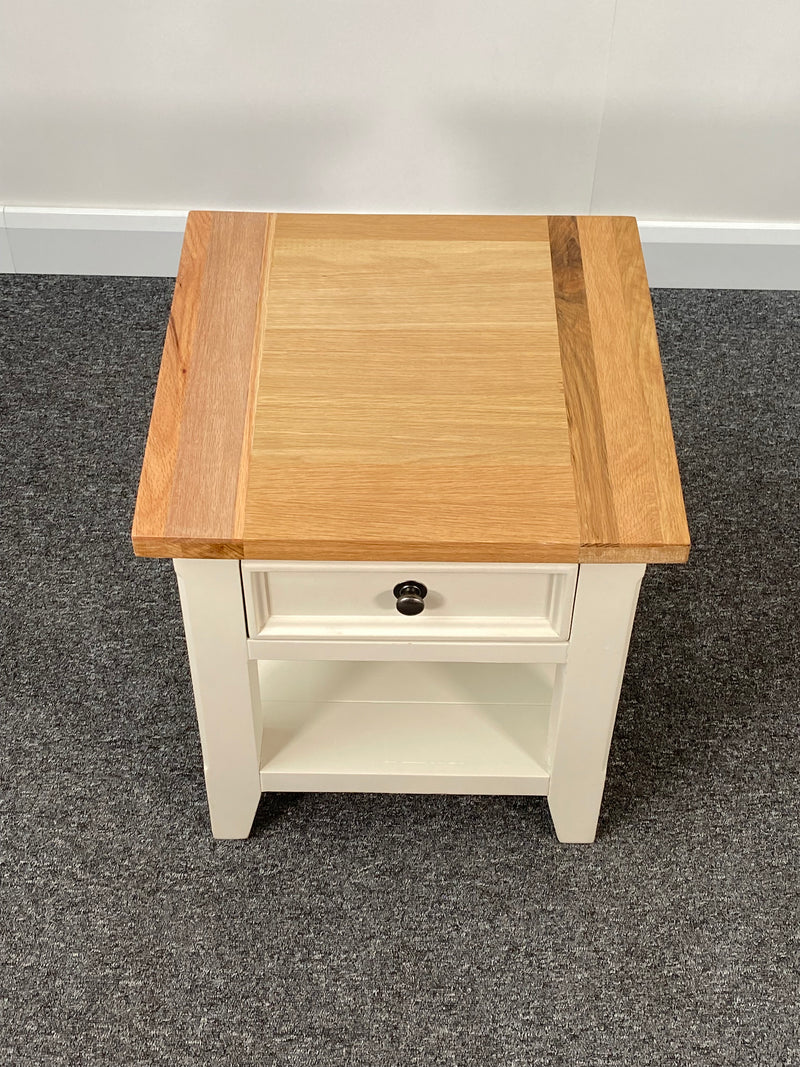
(587, 691)
(226, 692)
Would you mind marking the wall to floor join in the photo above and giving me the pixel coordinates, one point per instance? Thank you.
(147, 243)
(684, 114)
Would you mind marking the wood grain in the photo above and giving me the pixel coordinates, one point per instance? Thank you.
(255, 371)
(158, 468)
(596, 508)
(627, 484)
(644, 348)
(378, 284)
(410, 401)
(641, 461)
(383, 511)
(437, 388)
(412, 227)
(189, 501)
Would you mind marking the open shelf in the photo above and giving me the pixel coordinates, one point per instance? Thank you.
(405, 727)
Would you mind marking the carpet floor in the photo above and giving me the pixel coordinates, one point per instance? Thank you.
(375, 930)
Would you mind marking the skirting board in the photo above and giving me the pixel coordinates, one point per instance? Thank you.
(89, 241)
(721, 255)
(680, 255)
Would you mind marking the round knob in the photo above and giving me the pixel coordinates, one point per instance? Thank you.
(410, 597)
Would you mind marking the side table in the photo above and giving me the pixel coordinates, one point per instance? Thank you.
(410, 470)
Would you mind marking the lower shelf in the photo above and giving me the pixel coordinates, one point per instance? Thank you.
(405, 727)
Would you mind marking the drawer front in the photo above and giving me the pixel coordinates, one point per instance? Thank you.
(512, 602)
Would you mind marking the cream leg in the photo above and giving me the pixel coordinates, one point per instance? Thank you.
(226, 695)
(587, 692)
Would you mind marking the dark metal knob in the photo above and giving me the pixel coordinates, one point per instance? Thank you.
(410, 597)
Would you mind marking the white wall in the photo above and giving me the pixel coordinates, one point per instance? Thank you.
(702, 114)
(687, 109)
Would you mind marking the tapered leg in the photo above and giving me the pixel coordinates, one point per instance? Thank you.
(587, 691)
(226, 694)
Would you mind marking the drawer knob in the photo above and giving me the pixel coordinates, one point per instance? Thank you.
(410, 597)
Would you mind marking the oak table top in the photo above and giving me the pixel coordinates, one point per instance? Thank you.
(395, 387)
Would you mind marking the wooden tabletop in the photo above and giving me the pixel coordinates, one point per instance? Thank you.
(394, 387)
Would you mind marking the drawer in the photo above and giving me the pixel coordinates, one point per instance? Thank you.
(358, 601)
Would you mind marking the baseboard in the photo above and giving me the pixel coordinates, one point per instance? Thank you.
(89, 241)
(681, 255)
(6, 262)
(722, 255)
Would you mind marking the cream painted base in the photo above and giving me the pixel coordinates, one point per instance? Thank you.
(534, 727)
(587, 692)
(226, 692)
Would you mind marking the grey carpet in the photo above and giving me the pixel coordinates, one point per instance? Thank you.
(384, 930)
